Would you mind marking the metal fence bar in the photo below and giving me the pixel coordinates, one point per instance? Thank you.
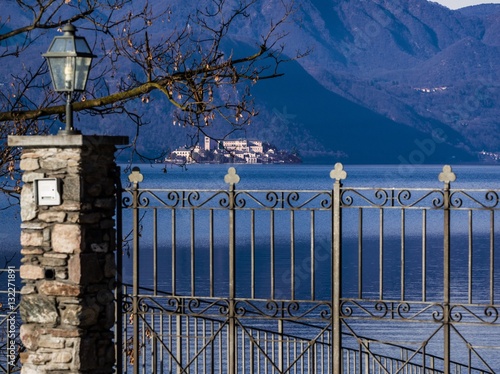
(313, 255)
(135, 178)
(155, 251)
(471, 258)
(232, 179)
(360, 253)
(119, 346)
(424, 256)
(292, 255)
(492, 257)
(381, 255)
(446, 177)
(403, 254)
(193, 253)
(338, 174)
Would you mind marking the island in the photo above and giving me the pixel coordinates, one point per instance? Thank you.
(241, 151)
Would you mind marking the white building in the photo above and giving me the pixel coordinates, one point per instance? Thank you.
(186, 152)
(243, 145)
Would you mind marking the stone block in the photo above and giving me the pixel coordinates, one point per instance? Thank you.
(28, 289)
(52, 262)
(105, 297)
(73, 217)
(86, 352)
(62, 357)
(39, 309)
(28, 206)
(108, 203)
(52, 216)
(33, 225)
(94, 190)
(62, 274)
(89, 315)
(56, 255)
(39, 358)
(29, 164)
(68, 333)
(107, 224)
(28, 271)
(110, 266)
(100, 247)
(32, 238)
(70, 314)
(56, 288)
(30, 335)
(70, 206)
(30, 177)
(31, 251)
(47, 341)
(66, 238)
(53, 163)
(72, 189)
(90, 218)
(31, 369)
(23, 357)
(71, 154)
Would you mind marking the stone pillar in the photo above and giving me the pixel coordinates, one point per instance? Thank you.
(68, 263)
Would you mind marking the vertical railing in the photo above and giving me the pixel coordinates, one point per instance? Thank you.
(338, 174)
(119, 272)
(232, 179)
(135, 178)
(446, 177)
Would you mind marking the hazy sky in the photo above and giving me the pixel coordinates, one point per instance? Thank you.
(455, 4)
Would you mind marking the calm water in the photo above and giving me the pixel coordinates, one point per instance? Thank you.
(290, 177)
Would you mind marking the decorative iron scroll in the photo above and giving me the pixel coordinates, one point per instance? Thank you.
(475, 314)
(469, 199)
(219, 307)
(216, 307)
(418, 198)
(392, 310)
(286, 310)
(170, 199)
(278, 200)
(314, 200)
(402, 198)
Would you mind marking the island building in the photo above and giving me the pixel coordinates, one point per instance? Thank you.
(245, 150)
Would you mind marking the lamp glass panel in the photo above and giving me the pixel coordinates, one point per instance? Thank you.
(56, 66)
(82, 68)
(82, 46)
(62, 44)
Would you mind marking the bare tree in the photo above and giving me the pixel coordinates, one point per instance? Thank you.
(144, 48)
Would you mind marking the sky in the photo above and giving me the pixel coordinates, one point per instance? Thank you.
(455, 4)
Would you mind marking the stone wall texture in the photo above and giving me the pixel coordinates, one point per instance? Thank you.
(67, 303)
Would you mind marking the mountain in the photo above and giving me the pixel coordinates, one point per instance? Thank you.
(387, 81)
(412, 61)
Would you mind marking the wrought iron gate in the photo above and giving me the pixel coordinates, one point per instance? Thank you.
(378, 280)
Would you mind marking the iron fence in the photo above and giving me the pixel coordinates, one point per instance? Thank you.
(343, 280)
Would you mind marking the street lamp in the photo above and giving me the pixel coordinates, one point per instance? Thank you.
(69, 58)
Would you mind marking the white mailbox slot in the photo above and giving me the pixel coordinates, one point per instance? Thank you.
(48, 191)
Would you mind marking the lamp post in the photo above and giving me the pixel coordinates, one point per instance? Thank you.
(69, 58)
